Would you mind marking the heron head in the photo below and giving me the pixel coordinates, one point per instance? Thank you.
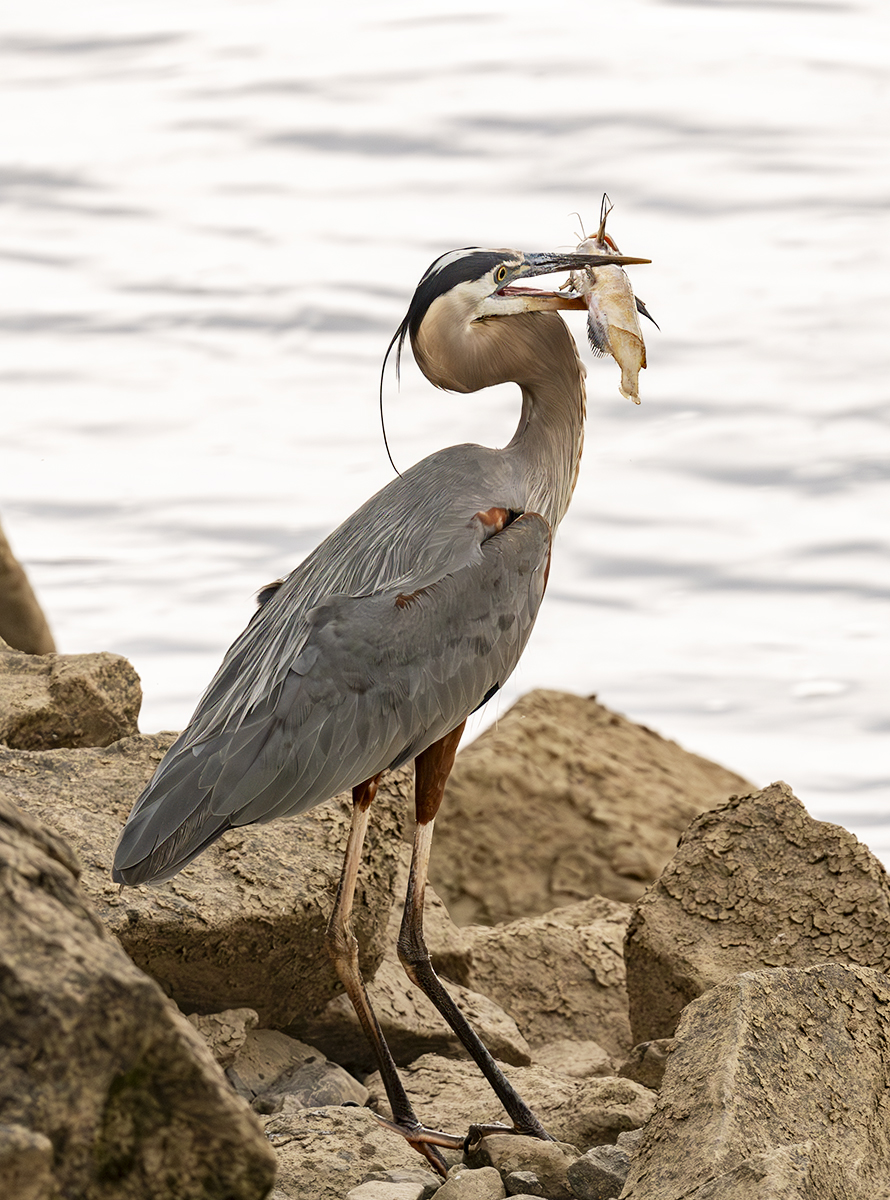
(472, 285)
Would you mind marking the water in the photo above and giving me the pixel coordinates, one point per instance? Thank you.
(215, 213)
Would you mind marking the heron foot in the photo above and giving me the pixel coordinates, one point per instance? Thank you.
(477, 1132)
(425, 1141)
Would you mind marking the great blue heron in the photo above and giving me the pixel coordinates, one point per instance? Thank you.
(403, 621)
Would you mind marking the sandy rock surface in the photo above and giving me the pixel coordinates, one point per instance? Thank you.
(560, 975)
(777, 1087)
(562, 800)
(225, 1032)
(26, 1164)
(276, 1073)
(241, 927)
(324, 1152)
(451, 1094)
(754, 883)
(49, 701)
(95, 1058)
(774, 1082)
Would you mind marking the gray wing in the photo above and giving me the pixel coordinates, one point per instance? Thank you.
(377, 680)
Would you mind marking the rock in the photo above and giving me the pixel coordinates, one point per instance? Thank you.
(547, 1161)
(600, 1110)
(777, 1088)
(272, 1066)
(243, 925)
(599, 1174)
(22, 623)
(428, 1182)
(575, 1060)
(629, 1140)
(523, 1183)
(755, 883)
(464, 1183)
(410, 1023)
(386, 1190)
(323, 1152)
(95, 1058)
(26, 1160)
(587, 802)
(451, 1094)
(560, 975)
(51, 701)
(646, 1062)
(225, 1032)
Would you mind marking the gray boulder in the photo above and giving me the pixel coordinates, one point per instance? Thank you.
(96, 1059)
(599, 1174)
(754, 883)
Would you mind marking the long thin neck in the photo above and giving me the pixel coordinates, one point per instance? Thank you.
(548, 441)
(535, 350)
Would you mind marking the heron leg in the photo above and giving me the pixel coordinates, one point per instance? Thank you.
(343, 948)
(432, 768)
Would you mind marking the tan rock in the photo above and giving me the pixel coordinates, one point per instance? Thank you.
(50, 701)
(548, 1162)
(243, 925)
(272, 1066)
(560, 975)
(560, 801)
(22, 623)
(466, 1183)
(95, 1058)
(755, 883)
(647, 1061)
(26, 1164)
(575, 1060)
(324, 1152)
(777, 1088)
(379, 1189)
(451, 1094)
(224, 1032)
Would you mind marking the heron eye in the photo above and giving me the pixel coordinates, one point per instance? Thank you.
(500, 275)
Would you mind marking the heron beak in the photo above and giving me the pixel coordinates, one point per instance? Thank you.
(556, 260)
(549, 262)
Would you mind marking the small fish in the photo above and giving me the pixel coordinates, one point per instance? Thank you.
(612, 324)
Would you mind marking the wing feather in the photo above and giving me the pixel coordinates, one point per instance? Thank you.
(375, 682)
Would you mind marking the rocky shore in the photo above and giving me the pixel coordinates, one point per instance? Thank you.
(683, 975)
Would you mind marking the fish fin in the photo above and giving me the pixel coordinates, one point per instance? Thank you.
(598, 333)
(641, 308)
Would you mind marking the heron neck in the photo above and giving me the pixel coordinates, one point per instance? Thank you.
(549, 439)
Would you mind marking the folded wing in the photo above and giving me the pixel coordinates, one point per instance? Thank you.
(378, 678)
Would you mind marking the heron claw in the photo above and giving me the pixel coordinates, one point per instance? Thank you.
(425, 1141)
(476, 1133)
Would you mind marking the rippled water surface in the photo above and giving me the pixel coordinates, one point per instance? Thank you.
(214, 216)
